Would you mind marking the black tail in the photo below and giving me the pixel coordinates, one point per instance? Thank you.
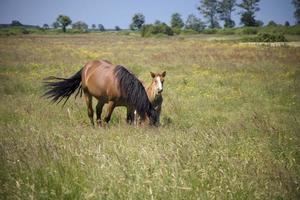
(63, 88)
(135, 95)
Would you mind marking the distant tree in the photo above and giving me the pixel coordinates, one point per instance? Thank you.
(296, 3)
(64, 21)
(176, 21)
(16, 23)
(225, 8)
(248, 14)
(161, 28)
(209, 9)
(93, 26)
(117, 28)
(272, 23)
(287, 23)
(101, 27)
(80, 25)
(55, 24)
(194, 23)
(137, 21)
(157, 22)
(45, 26)
(259, 23)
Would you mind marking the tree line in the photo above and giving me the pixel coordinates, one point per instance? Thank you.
(213, 11)
(63, 21)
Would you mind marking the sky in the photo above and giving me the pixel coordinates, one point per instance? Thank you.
(113, 13)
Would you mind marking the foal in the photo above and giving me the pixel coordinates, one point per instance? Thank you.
(154, 93)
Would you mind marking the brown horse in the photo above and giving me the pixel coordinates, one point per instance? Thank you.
(110, 84)
(154, 91)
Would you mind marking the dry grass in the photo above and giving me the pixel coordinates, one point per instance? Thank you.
(230, 122)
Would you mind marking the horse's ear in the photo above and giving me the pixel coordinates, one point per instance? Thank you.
(164, 74)
(152, 74)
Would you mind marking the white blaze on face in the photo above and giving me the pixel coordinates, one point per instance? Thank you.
(159, 86)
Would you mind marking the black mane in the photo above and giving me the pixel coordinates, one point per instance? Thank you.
(134, 93)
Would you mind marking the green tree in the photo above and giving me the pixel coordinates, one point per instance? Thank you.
(55, 24)
(248, 14)
(45, 26)
(101, 27)
(287, 23)
(176, 21)
(157, 22)
(80, 26)
(117, 28)
(209, 9)
(64, 21)
(137, 21)
(194, 23)
(272, 23)
(93, 26)
(297, 10)
(16, 23)
(259, 23)
(225, 8)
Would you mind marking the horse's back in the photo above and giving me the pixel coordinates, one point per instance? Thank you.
(99, 80)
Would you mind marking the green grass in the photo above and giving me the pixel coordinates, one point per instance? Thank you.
(230, 121)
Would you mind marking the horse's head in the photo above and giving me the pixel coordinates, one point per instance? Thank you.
(152, 117)
(158, 82)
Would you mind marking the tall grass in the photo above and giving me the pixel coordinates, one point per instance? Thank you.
(230, 122)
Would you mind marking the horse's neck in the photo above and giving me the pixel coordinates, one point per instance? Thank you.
(151, 94)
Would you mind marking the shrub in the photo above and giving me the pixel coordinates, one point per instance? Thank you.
(267, 37)
(209, 31)
(13, 31)
(177, 31)
(279, 29)
(293, 30)
(24, 31)
(248, 30)
(272, 23)
(226, 31)
(79, 27)
(150, 29)
(77, 31)
(124, 33)
(188, 32)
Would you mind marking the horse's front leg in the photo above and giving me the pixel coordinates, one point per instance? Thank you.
(110, 109)
(158, 109)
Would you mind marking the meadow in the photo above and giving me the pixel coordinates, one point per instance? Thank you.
(229, 129)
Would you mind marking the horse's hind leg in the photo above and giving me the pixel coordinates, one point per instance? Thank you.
(110, 109)
(88, 99)
(99, 108)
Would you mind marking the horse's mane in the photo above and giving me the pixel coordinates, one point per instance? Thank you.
(134, 93)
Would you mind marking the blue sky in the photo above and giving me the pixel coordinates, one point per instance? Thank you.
(113, 13)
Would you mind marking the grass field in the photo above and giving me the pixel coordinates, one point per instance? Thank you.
(230, 122)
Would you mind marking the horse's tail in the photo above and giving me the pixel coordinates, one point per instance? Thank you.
(134, 93)
(62, 88)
